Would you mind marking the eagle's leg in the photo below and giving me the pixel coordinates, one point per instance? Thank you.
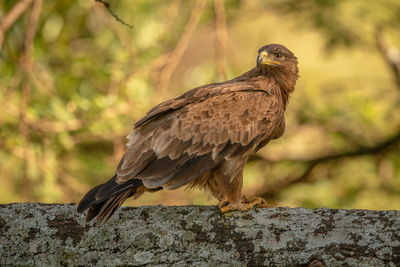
(226, 185)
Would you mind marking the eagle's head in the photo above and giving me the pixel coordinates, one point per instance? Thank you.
(276, 57)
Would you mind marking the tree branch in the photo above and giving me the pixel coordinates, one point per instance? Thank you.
(391, 59)
(26, 64)
(176, 55)
(221, 43)
(108, 7)
(11, 17)
(36, 234)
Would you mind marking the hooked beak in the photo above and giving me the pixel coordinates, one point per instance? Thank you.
(263, 59)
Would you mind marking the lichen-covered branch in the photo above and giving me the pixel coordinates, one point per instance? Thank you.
(54, 234)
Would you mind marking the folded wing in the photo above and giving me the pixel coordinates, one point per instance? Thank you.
(182, 141)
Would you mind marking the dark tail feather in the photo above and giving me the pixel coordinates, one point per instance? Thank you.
(103, 200)
(111, 206)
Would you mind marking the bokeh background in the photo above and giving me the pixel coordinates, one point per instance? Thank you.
(76, 75)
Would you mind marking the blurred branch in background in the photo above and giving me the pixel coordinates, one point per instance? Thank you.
(221, 43)
(11, 17)
(159, 62)
(108, 7)
(26, 64)
(176, 55)
(273, 189)
(391, 56)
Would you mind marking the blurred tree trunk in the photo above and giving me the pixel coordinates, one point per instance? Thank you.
(53, 234)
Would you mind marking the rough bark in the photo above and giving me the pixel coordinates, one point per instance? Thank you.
(54, 234)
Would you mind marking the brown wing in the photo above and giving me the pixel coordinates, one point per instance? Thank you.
(197, 94)
(172, 147)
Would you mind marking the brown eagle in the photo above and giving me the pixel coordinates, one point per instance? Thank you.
(203, 138)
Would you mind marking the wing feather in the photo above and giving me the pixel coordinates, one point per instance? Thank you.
(182, 139)
(197, 94)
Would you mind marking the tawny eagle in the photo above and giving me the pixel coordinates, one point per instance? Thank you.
(203, 137)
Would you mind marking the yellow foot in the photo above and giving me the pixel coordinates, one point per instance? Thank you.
(257, 202)
(246, 204)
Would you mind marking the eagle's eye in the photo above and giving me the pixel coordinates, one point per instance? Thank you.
(278, 55)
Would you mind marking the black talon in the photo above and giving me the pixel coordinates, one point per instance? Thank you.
(225, 204)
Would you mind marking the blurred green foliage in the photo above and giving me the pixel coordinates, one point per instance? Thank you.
(92, 78)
